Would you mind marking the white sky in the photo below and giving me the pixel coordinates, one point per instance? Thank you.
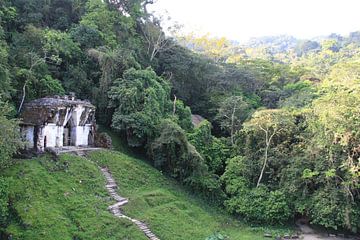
(242, 19)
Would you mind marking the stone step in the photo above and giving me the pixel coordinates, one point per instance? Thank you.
(119, 199)
(115, 209)
(118, 204)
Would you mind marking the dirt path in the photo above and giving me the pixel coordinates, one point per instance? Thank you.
(309, 233)
(115, 209)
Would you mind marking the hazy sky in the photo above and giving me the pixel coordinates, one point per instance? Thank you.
(242, 19)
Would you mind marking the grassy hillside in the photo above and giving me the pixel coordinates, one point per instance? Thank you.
(63, 199)
(66, 199)
(171, 212)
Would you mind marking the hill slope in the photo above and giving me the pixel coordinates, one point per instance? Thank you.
(66, 199)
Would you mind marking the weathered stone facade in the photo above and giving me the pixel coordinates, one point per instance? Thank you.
(54, 122)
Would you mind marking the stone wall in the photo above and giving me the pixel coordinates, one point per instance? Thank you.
(44, 121)
(27, 134)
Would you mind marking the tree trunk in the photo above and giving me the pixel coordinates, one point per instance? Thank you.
(174, 105)
(23, 97)
(232, 126)
(153, 53)
(264, 165)
(268, 138)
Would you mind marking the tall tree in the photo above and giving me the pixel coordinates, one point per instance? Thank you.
(270, 123)
(232, 113)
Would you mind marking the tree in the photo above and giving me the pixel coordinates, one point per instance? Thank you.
(155, 38)
(4, 200)
(10, 140)
(173, 154)
(7, 14)
(182, 113)
(334, 122)
(218, 49)
(191, 76)
(308, 46)
(141, 99)
(36, 51)
(258, 204)
(113, 63)
(232, 113)
(215, 151)
(270, 123)
(344, 73)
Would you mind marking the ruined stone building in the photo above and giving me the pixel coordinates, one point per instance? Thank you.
(55, 122)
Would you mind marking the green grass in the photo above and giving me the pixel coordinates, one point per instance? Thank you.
(171, 212)
(63, 199)
(66, 199)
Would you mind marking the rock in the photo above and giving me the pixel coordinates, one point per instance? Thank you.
(103, 140)
(268, 235)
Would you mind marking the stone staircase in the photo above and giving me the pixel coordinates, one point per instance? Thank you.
(115, 209)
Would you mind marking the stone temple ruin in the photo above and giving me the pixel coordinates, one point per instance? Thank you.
(56, 122)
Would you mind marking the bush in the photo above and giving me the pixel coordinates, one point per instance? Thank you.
(173, 154)
(9, 136)
(260, 205)
(4, 200)
(214, 150)
(331, 209)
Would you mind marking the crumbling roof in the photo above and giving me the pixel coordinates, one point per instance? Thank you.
(57, 101)
(50, 110)
(196, 119)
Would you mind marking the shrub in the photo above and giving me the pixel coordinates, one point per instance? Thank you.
(260, 205)
(9, 136)
(4, 200)
(173, 154)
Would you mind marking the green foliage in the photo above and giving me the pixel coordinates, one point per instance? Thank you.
(5, 84)
(332, 123)
(4, 200)
(214, 150)
(232, 113)
(260, 205)
(307, 173)
(108, 22)
(86, 36)
(236, 176)
(141, 99)
(257, 204)
(9, 135)
(58, 46)
(330, 208)
(298, 95)
(48, 86)
(183, 114)
(173, 154)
